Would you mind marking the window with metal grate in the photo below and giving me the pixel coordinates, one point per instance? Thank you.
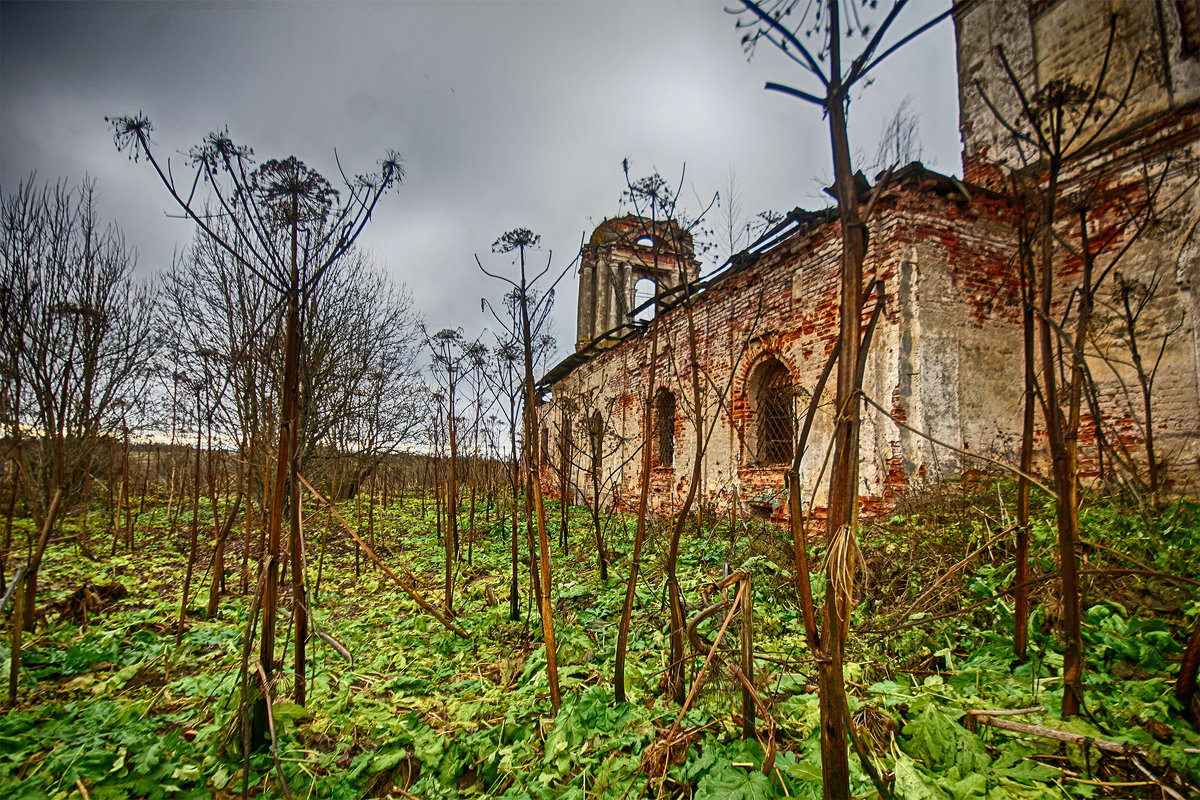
(774, 406)
(664, 427)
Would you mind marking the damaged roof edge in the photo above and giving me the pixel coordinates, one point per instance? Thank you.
(794, 223)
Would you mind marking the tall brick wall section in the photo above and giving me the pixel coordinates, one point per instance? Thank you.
(1136, 181)
(1141, 201)
(1064, 40)
(943, 358)
(946, 356)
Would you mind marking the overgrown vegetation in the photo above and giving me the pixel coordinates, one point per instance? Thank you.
(111, 707)
(981, 642)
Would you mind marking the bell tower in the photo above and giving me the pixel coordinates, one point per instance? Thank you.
(623, 252)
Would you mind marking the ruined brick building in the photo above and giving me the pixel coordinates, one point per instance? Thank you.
(946, 355)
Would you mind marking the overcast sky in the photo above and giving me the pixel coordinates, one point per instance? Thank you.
(506, 114)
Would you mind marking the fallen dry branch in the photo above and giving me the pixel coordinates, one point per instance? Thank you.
(1007, 712)
(1143, 768)
(880, 634)
(712, 651)
(915, 623)
(672, 748)
(403, 584)
(86, 601)
(337, 646)
(1176, 579)
(12, 587)
(1137, 755)
(990, 719)
(1151, 573)
(764, 712)
(741, 578)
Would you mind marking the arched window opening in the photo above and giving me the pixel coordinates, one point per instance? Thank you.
(545, 446)
(596, 434)
(646, 241)
(664, 427)
(643, 292)
(773, 403)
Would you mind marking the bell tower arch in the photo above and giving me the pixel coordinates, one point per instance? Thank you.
(622, 252)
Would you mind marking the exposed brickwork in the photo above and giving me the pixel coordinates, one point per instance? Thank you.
(934, 250)
(1135, 181)
(946, 358)
(621, 253)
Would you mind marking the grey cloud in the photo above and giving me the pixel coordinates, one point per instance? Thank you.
(506, 114)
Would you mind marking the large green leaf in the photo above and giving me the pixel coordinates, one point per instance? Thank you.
(734, 783)
(941, 743)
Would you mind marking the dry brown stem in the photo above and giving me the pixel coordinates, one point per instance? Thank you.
(403, 584)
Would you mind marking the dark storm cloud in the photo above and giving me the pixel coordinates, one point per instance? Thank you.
(506, 114)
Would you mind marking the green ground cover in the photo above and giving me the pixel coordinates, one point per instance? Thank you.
(111, 708)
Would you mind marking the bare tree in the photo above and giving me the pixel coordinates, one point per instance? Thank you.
(508, 385)
(786, 24)
(453, 361)
(589, 447)
(652, 197)
(639, 535)
(360, 361)
(289, 227)
(900, 139)
(671, 244)
(1144, 345)
(532, 309)
(78, 341)
(217, 319)
(1052, 128)
(476, 379)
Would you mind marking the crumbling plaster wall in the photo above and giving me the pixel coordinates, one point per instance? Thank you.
(1137, 182)
(946, 356)
(935, 257)
(958, 361)
(1047, 40)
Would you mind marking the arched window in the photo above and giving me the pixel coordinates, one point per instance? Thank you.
(664, 427)
(772, 401)
(644, 291)
(545, 447)
(596, 434)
